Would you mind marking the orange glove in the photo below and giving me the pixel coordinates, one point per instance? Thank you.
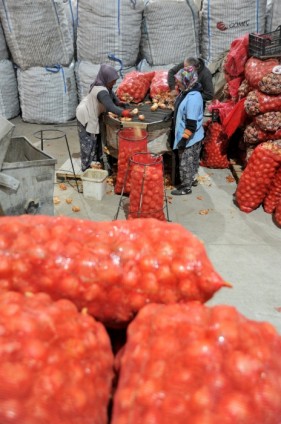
(126, 113)
(186, 134)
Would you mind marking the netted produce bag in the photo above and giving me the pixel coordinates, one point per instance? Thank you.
(134, 86)
(130, 141)
(271, 83)
(257, 102)
(270, 121)
(214, 151)
(237, 56)
(258, 175)
(248, 153)
(111, 268)
(159, 88)
(253, 134)
(224, 108)
(147, 186)
(256, 69)
(244, 89)
(197, 364)
(231, 89)
(56, 364)
(273, 196)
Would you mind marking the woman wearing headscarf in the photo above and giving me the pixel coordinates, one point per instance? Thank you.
(189, 132)
(101, 98)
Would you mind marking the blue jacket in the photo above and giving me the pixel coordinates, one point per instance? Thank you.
(191, 107)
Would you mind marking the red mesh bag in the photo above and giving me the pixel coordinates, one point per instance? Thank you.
(244, 89)
(270, 121)
(257, 177)
(233, 87)
(214, 152)
(147, 187)
(159, 85)
(197, 364)
(237, 56)
(256, 69)
(277, 214)
(111, 268)
(134, 86)
(273, 196)
(235, 118)
(255, 135)
(130, 141)
(271, 83)
(257, 102)
(56, 365)
(224, 108)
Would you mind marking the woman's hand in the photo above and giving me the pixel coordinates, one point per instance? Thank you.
(126, 113)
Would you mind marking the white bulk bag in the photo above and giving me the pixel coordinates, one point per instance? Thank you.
(47, 95)
(110, 26)
(169, 31)
(225, 20)
(37, 32)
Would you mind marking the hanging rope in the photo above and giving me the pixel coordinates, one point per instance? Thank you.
(111, 56)
(54, 70)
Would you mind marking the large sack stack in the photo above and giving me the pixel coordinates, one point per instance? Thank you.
(169, 31)
(39, 36)
(222, 21)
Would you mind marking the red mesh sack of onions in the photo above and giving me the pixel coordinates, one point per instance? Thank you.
(130, 141)
(111, 268)
(271, 83)
(273, 197)
(56, 364)
(257, 102)
(244, 89)
(214, 152)
(197, 364)
(256, 69)
(255, 135)
(277, 214)
(270, 121)
(257, 177)
(134, 86)
(224, 108)
(237, 56)
(159, 87)
(147, 187)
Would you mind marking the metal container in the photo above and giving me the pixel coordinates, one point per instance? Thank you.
(26, 175)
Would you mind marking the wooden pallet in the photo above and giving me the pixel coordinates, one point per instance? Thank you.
(66, 171)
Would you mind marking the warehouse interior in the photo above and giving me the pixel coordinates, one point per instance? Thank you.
(111, 319)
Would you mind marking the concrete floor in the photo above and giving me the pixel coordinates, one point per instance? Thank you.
(244, 248)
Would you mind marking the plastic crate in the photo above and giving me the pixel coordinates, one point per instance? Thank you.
(94, 183)
(264, 46)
